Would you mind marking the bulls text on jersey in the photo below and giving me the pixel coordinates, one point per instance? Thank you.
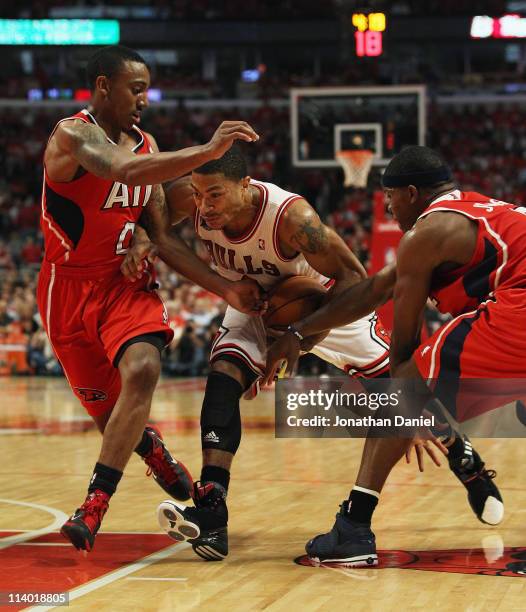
(228, 260)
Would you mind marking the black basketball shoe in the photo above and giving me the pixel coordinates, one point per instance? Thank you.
(483, 494)
(348, 543)
(204, 526)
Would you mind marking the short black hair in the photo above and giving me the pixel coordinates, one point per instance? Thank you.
(416, 160)
(108, 61)
(232, 165)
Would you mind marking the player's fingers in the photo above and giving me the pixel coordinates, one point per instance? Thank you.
(239, 135)
(269, 374)
(125, 270)
(420, 457)
(276, 365)
(408, 454)
(291, 365)
(132, 264)
(440, 445)
(152, 255)
(132, 267)
(240, 126)
(274, 332)
(434, 457)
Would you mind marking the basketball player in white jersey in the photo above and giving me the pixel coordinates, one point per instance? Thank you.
(259, 230)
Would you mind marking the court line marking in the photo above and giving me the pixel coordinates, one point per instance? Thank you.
(153, 578)
(118, 574)
(105, 531)
(6, 431)
(60, 519)
(42, 544)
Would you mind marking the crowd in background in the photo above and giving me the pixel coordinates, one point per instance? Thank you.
(213, 10)
(484, 145)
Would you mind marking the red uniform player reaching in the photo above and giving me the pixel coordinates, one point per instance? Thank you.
(467, 252)
(101, 173)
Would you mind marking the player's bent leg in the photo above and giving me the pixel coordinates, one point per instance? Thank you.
(351, 541)
(205, 526)
(139, 369)
(171, 475)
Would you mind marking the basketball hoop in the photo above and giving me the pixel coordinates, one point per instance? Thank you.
(356, 165)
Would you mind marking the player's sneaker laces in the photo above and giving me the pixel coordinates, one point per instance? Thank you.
(81, 528)
(170, 475)
(483, 494)
(348, 543)
(204, 526)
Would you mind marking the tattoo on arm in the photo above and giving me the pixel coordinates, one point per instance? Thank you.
(311, 237)
(92, 150)
(154, 217)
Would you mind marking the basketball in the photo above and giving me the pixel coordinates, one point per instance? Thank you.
(293, 299)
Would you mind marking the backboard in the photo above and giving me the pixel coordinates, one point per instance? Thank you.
(327, 119)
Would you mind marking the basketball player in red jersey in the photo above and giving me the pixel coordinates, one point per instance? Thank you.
(101, 173)
(258, 229)
(465, 251)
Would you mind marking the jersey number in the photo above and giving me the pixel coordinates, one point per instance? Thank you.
(124, 239)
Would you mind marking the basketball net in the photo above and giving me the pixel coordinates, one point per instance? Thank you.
(356, 165)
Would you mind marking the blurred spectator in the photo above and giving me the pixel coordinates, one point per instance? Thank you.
(31, 252)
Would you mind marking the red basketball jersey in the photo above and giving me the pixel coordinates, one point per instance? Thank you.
(499, 260)
(89, 221)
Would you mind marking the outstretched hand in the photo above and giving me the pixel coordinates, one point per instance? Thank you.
(432, 446)
(225, 135)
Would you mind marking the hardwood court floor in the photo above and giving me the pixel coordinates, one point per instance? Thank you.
(283, 492)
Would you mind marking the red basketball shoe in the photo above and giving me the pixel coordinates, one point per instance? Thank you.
(171, 475)
(81, 528)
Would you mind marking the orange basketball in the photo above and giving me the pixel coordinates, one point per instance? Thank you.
(292, 299)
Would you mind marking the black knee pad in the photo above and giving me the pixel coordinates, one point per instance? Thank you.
(220, 416)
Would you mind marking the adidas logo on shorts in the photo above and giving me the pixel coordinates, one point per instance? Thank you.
(211, 437)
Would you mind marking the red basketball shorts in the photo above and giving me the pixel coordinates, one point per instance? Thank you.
(488, 344)
(88, 316)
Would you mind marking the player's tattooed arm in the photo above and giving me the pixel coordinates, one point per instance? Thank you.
(301, 230)
(244, 295)
(311, 235)
(87, 145)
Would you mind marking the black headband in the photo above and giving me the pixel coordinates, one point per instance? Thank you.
(418, 179)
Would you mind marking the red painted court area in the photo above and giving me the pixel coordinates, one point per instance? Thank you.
(34, 567)
(510, 561)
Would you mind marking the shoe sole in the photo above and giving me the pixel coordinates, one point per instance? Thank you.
(171, 519)
(357, 561)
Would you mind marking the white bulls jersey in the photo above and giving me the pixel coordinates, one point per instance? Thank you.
(360, 348)
(256, 253)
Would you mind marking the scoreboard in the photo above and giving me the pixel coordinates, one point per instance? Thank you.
(369, 33)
